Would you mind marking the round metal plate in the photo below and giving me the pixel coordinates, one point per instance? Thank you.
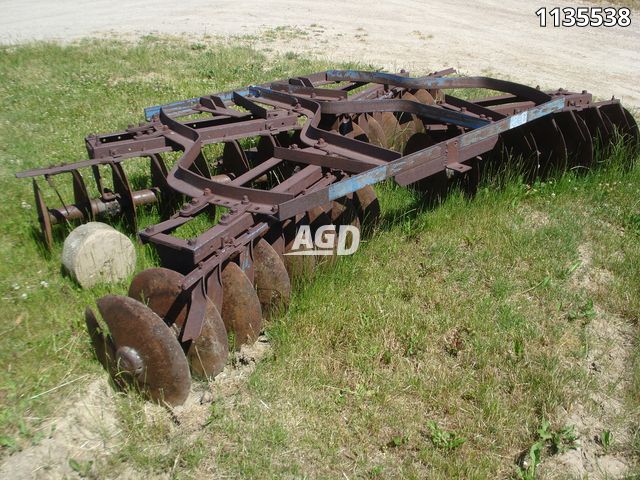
(633, 126)
(270, 279)
(434, 187)
(161, 289)
(357, 133)
(391, 129)
(164, 374)
(424, 97)
(43, 216)
(299, 267)
(376, 133)
(102, 343)
(209, 352)
(368, 206)
(241, 310)
(343, 212)
(550, 143)
(578, 143)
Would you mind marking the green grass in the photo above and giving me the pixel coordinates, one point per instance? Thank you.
(438, 350)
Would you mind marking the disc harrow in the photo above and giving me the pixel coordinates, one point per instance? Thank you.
(263, 161)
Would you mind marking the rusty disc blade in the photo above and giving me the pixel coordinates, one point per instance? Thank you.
(623, 123)
(299, 267)
(357, 133)
(418, 142)
(634, 132)
(363, 123)
(209, 352)
(368, 206)
(147, 351)
(418, 126)
(270, 278)
(409, 97)
(319, 217)
(391, 129)
(598, 127)
(579, 149)
(161, 290)
(241, 310)
(435, 187)
(43, 216)
(102, 343)
(343, 212)
(587, 155)
(424, 97)
(551, 144)
(521, 151)
(376, 133)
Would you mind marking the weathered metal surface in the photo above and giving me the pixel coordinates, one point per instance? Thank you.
(271, 279)
(147, 353)
(296, 152)
(241, 311)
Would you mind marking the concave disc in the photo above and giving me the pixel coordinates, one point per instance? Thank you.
(633, 127)
(144, 341)
(418, 126)
(344, 212)
(550, 143)
(391, 129)
(434, 187)
(319, 217)
(579, 150)
(368, 206)
(270, 278)
(43, 216)
(209, 352)
(376, 133)
(424, 97)
(161, 289)
(598, 127)
(622, 122)
(241, 310)
(102, 344)
(357, 133)
(299, 267)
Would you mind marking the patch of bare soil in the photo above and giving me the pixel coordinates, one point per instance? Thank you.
(87, 428)
(610, 342)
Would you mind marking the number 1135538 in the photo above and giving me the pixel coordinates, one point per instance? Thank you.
(584, 17)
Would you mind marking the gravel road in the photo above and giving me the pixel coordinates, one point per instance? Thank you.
(502, 37)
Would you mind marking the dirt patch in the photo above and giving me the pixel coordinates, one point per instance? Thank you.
(88, 430)
(587, 276)
(610, 344)
(602, 413)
